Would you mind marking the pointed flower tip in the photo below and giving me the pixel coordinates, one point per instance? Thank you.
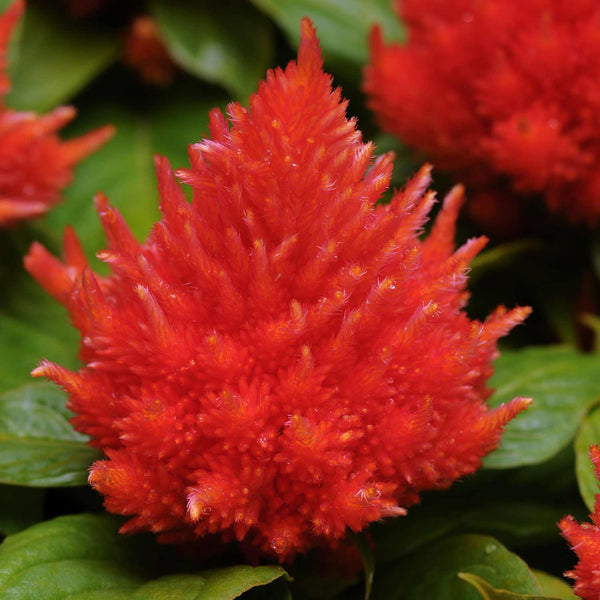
(395, 511)
(12, 14)
(101, 203)
(507, 412)
(308, 32)
(104, 134)
(161, 162)
(15, 10)
(521, 403)
(309, 51)
(43, 369)
(594, 454)
(375, 41)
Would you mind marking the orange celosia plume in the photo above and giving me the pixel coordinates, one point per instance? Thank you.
(499, 92)
(585, 541)
(34, 164)
(281, 360)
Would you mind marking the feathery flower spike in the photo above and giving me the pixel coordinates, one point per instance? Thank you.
(584, 539)
(498, 91)
(281, 361)
(34, 164)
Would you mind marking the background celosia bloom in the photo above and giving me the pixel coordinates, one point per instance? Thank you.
(281, 360)
(34, 163)
(585, 541)
(499, 91)
(145, 52)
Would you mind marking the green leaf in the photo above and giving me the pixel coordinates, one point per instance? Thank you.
(81, 557)
(432, 572)
(217, 584)
(24, 342)
(489, 592)
(228, 43)
(65, 556)
(342, 26)
(38, 445)
(514, 523)
(32, 323)
(554, 586)
(588, 434)
(562, 383)
(55, 58)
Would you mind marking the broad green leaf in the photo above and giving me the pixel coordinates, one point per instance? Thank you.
(554, 586)
(65, 556)
(588, 434)
(514, 523)
(218, 584)
(432, 572)
(38, 445)
(342, 26)
(488, 592)
(562, 383)
(228, 43)
(23, 342)
(20, 507)
(81, 557)
(55, 58)
(32, 324)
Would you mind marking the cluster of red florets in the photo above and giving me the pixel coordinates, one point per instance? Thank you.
(34, 163)
(499, 91)
(281, 360)
(585, 541)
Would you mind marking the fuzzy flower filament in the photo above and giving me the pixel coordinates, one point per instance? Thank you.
(281, 360)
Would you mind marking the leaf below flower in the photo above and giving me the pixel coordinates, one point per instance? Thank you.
(82, 557)
(38, 445)
(563, 384)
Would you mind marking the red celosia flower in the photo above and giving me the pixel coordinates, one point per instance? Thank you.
(34, 163)
(281, 360)
(144, 51)
(499, 90)
(585, 541)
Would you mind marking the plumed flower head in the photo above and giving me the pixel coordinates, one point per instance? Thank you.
(499, 90)
(34, 164)
(281, 360)
(585, 541)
